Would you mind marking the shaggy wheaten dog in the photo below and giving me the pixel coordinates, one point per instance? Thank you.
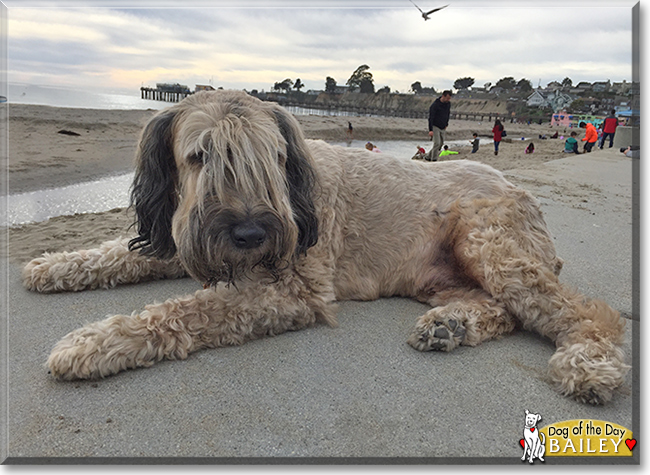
(279, 228)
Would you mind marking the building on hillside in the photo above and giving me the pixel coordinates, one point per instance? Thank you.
(601, 86)
(583, 86)
(556, 99)
(553, 86)
(536, 99)
(622, 88)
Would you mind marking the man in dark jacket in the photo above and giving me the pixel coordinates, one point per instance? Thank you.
(438, 121)
(609, 129)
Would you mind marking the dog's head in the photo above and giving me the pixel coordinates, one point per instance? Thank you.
(532, 419)
(226, 181)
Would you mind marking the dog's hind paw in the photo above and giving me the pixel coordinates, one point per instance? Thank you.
(437, 332)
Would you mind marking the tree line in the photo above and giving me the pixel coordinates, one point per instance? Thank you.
(363, 80)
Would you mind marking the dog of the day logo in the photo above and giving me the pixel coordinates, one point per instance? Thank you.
(575, 438)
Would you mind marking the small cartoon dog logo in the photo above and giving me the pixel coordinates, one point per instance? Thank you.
(534, 447)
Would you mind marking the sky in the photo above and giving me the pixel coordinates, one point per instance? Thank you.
(252, 44)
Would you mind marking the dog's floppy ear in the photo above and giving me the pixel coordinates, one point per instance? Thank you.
(153, 193)
(301, 180)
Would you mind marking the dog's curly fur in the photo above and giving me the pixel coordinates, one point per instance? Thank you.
(279, 228)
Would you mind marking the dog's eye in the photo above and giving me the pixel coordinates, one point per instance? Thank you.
(196, 158)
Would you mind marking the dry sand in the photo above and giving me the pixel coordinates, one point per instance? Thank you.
(41, 157)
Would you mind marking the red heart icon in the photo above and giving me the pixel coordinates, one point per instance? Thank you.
(630, 443)
(523, 444)
(532, 429)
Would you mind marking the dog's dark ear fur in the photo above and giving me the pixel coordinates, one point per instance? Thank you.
(301, 180)
(153, 193)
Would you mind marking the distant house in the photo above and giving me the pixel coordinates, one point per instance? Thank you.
(556, 99)
(622, 88)
(200, 87)
(536, 99)
(583, 86)
(497, 90)
(553, 86)
(601, 86)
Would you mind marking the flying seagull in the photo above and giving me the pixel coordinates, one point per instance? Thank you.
(426, 15)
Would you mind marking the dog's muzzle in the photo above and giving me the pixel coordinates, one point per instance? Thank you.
(248, 235)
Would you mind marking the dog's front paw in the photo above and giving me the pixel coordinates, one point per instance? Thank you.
(589, 371)
(76, 356)
(101, 349)
(59, 272)
(437, 333)
(38, 275)
(80, 355)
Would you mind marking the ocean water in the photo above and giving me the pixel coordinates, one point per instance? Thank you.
(78, 98)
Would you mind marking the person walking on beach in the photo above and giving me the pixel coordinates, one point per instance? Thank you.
(350, 130)
(591, 136)
(609, 129)
(497, 132)
(438, 122)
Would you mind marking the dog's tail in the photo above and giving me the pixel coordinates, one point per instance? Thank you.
(543, 437)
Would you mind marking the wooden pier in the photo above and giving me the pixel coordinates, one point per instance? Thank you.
(155, 94)
(165, 92)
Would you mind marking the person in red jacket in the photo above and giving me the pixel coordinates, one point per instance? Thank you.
(591, 135)
(497, 132)
(609, 129)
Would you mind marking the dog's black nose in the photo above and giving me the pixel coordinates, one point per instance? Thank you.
(248, 235)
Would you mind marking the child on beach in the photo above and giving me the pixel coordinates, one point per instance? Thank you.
(571, 144)
(497, 131)
(372, 147)
(446, 152)
(474, 143)
(530, 148)
(591, 135)
(419, 155)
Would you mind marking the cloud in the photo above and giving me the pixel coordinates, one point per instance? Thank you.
(255, 47)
